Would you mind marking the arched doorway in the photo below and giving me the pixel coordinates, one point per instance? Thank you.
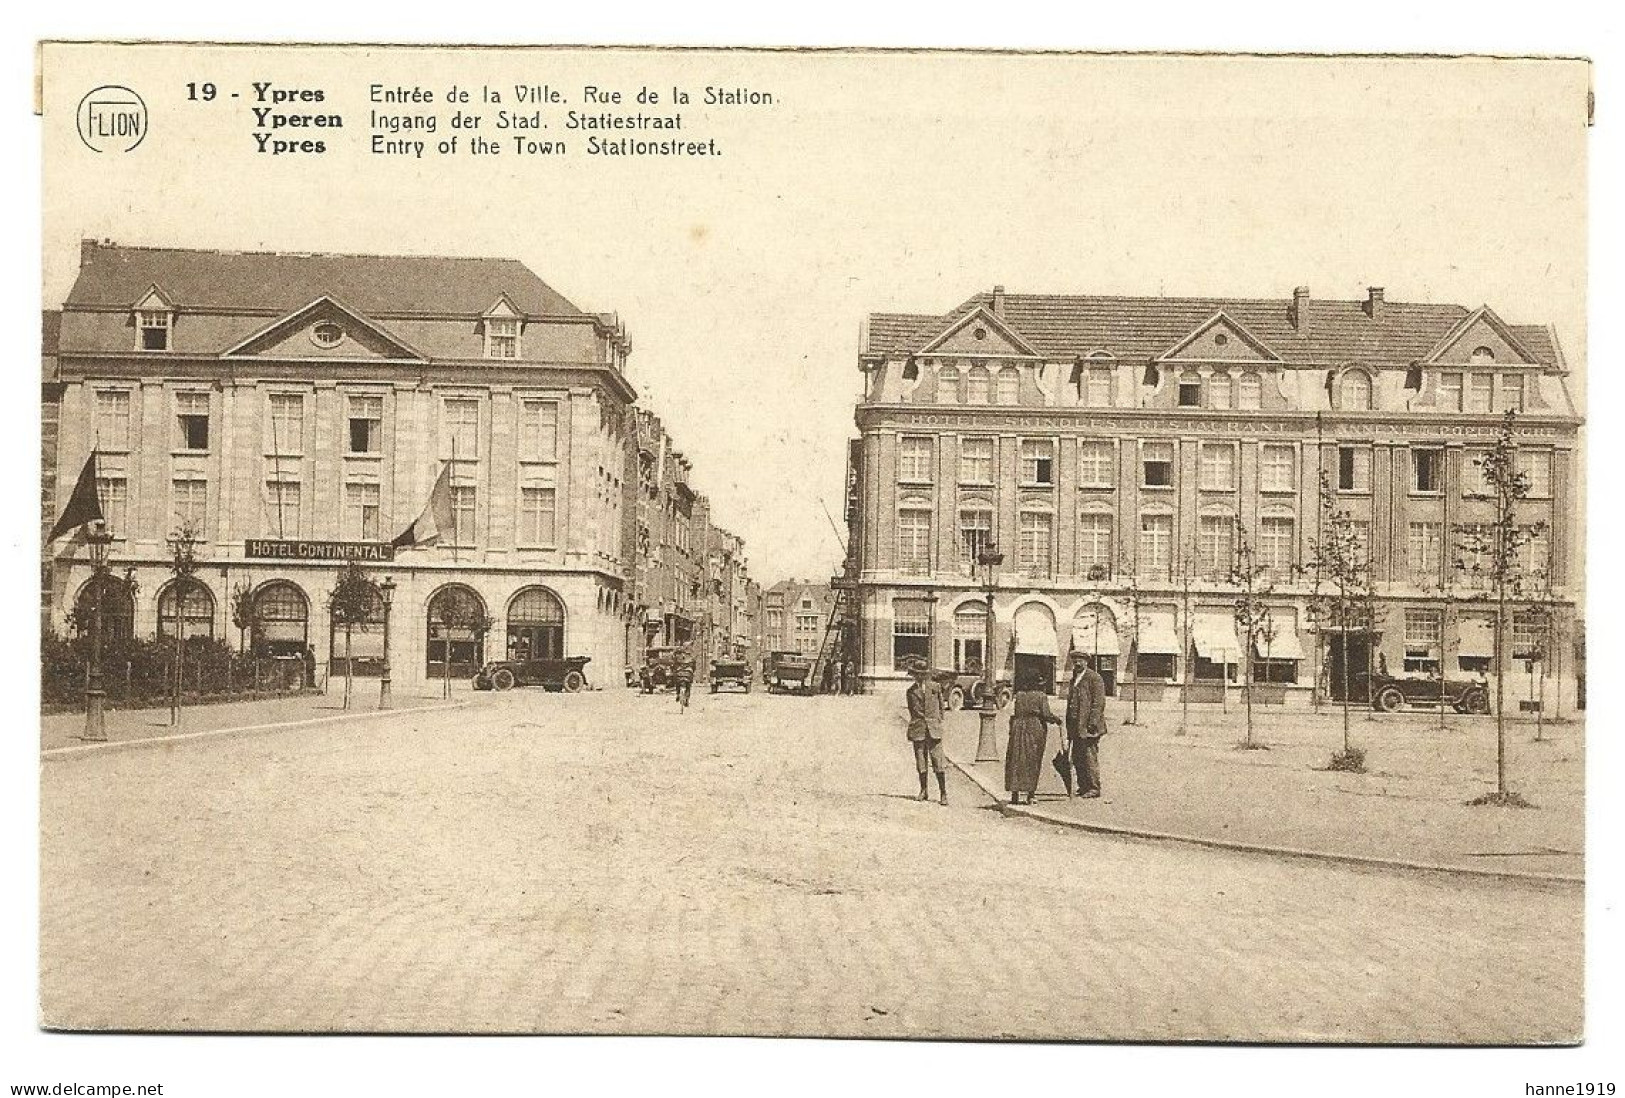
(1033, 646)
(281, 620)
(1094, 637)
(456, 632)
(117, 606)
(196, 611)
(535, 625)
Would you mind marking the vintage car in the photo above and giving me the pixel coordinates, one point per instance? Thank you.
(963, 689)
(659, 668)
(730, 672)
(568, 674)
(1391, 693)
(787, 671)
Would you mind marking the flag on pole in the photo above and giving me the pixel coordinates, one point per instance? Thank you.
(436, 519)
(83, 506)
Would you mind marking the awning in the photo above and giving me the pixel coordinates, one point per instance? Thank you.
(1285, 645)
(1215, 638)
(1157, 637)
(1094, 635)
(1477, 638)
(1035, 632)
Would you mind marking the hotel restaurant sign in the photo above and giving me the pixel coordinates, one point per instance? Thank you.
(318, 550)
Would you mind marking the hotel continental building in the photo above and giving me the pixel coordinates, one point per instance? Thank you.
(1115, 448)
(295, 410)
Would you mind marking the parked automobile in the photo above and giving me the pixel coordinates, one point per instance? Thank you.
(787, 671)
(659, 668)
(730, 672)
(1391, 693)
(568, 674)
(963, 689)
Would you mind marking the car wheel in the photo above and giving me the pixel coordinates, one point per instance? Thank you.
(502, 679)
(1390, 700)
(574, 682)
(956, 698)
(1475, 701)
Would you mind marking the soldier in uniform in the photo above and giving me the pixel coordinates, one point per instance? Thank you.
(925, 728)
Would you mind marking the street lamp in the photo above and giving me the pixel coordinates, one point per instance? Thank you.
(387, 589)
(987, 743)
(100, 540)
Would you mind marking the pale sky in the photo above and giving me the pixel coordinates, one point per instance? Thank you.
(876, 183)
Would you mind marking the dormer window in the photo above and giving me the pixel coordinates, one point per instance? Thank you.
(1354, 392)
(501, 337)
(153, 326)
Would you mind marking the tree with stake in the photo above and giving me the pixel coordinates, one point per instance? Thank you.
(1252, 613)
(1131, 574)
(244, 614)
(353, 601)
(1338, 561)
(183, 543)
(1491, 554)
(1185, 566)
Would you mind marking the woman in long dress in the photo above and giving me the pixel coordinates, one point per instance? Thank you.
(1024, 755)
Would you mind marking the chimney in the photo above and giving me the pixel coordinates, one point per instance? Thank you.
(87, 249)
(1300, 309)
(998, 301)
(1373, 302)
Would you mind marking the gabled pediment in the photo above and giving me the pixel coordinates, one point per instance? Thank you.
(1220, 338)
(154, 300)
(326, 328)
(504, 309)
(979, 332)
(1478, 331)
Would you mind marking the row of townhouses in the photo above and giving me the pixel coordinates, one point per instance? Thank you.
(1115, 449)
(296, 410)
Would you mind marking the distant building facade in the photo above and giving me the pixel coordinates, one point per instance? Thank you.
(795, 616)
(1116, 448)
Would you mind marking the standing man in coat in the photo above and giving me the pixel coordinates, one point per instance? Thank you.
(1085, 724)
(925, 728)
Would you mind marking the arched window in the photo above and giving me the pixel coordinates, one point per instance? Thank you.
(1009, 386)
(948, 385)
(1190, 389)
(1354, 391)
(456, 631)
(196, 611)
(360, 643)
(1218, 391)
(1483, 354)
(117, 606)
(281, 620)
(976, 385)
(535, 625)
(1249, 392)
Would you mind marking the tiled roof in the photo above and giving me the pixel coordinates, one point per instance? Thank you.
(1064, 326)
(116, 275)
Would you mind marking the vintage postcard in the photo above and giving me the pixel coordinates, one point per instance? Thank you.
(893, 544)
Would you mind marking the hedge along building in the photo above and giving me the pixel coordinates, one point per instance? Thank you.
(1115, 448)
(296, 410)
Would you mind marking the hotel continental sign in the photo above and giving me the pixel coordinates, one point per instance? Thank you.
(1115, 448)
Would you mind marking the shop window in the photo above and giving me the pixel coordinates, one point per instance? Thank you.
(117, 609)
(456, 622)
(281, 625)
(1154, 666)
(911, 630)
(1424, 634)
(970, 635)
(535, 625)
(196, 611)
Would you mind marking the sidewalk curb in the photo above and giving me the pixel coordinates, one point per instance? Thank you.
(1546, 880)
(61, 754)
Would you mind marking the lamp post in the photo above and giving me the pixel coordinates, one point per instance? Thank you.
(387, 589)
(100, 540)
(987, 743)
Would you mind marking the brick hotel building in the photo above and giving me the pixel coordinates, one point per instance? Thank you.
(1114, 447)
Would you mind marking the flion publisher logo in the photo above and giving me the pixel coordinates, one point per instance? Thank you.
(112, 118)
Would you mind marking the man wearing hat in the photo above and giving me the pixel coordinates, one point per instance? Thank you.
(1085, 724)
(925, 727)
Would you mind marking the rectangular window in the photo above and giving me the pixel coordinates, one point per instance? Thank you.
(1215, 545)
(1528, 637)
(1218, 464)
(914, 460)
(462, 430)
(1157, 461)
(154, 324)
(1536, 468)
(1156, 544)
(1358, 532)
(1277, 468)
(1481, 392)
(501, 337)
(191, 504)
(112, 419)
(1097, 467)
(1037, 462)
(539, 430)
(1100, 387)
(1423, 636)
(287, 423)
(1427, 471)
(538, 516)
(463, 528)
(361, 504)
(911, 630)
(1190, 392)
(1511, 393)
(976, 461)
(1095, 545)
(1425, 551)
(1275, 534)
(914, 540)
(1354, 469)
(1535, 557)
(1474, 481)
(114, 495)
(191, 421)
(282, 498)
(1034, 554)
(975, 531)
(1450, 392)
(366, 424)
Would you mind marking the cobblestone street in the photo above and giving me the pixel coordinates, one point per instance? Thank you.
(601, 863)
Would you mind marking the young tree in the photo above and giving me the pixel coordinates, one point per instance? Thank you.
(353, 601)
(1131, 577)
(1338, 561)
(183, 543)
(1252, 581)
(243, 612)
(1492, 555)
(457, 611)
(1185, 566)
